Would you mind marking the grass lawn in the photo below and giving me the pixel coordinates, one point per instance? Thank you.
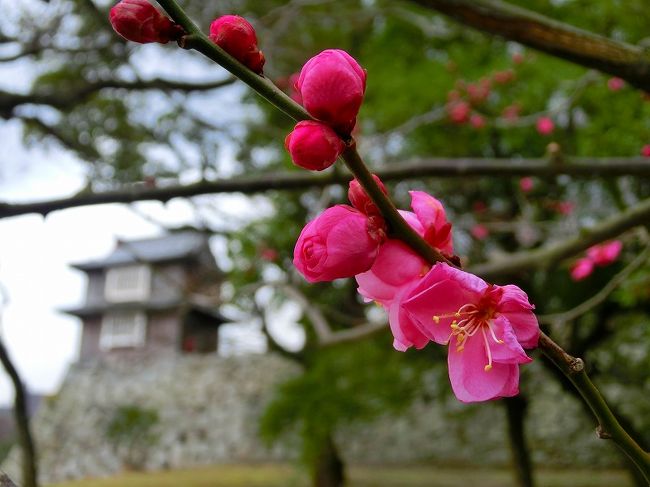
(288, 476)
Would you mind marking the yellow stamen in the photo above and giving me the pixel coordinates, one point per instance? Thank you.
(488, 367)
(436, 319)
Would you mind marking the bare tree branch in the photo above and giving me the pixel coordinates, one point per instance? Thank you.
(549, 255)
(632, 63)
(68, 98)
(299, 181)
(5, 481)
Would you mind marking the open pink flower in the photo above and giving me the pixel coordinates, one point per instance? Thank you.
(332, 85)
(340, 242)
(487, 328)
(397, 268)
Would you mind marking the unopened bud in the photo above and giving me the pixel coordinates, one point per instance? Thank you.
(360, 199)
(332, 85)
(236, 36)
(139, 21)
(313, 145)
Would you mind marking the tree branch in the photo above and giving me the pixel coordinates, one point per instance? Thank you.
(547, 256)
(68, 98)
(416, 168)
(632, 63)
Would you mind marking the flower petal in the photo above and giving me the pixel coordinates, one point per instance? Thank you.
(405, 331)
(469, 379)
(510, 351)
(514, 305)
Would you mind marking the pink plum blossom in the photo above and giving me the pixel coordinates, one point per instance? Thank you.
(313, 145)
(615, 84)
(605, 253)
(477, 121)
(486, 327)
(582, 269)
(480, 232)
(236, 36)
(526, 184)
(340, 242)
(597, 255)
(545, 126)
(332, 85)
(398, 268)
(360, 199)
(645, 150)
(139, 21)
(459, 112)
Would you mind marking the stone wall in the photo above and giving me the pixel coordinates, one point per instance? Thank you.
(208, 408)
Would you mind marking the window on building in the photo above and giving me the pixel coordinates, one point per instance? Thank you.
(128, 283)
(123, 329)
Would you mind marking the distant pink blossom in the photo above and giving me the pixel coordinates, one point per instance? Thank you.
(477, 121)
(478, 92)
(518, 58)
(598, 255)
(504, 77)
(605, 253)
(645, 150)
(340, 242)
(486, 327)
(582, 269)
(459, 112)
(480, 231)
(332, 85)
(565, 207)
(615, 84)
(268, 254)
(545, 126)
(511, 112)
(526, 184)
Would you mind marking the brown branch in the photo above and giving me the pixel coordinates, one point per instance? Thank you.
(29, 467)
(70, 97)
(299, 181)
(632, 63)
(547, 256)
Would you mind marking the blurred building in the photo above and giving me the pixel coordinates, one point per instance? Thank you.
(152, 296)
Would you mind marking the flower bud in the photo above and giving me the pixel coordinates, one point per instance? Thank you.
(340, 242)
(139, 21)
(236, 36)
(313, 145)
(332, 85)
(360, 199)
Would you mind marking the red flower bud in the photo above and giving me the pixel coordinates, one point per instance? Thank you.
(313, 145)
(332, 85)
(139, 21)
(360, 199)
(236, 36)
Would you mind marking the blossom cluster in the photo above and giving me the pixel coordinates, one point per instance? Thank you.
(486, 327)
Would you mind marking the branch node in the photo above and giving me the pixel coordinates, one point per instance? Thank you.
(602, 434)
(576, 365)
